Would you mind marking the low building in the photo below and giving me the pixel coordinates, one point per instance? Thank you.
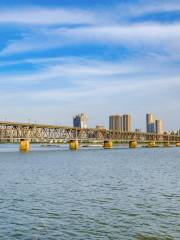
(100, 127)
(138, 130)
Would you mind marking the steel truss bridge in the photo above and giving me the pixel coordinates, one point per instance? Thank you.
(14, 132)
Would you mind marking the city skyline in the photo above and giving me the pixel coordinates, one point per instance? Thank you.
(60, 58)
(116, 121)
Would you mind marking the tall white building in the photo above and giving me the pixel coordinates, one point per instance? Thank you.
(80, 120)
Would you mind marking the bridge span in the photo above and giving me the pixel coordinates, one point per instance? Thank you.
(43, 133)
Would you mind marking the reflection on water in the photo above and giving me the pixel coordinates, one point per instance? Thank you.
(54, 193)
(34, 147)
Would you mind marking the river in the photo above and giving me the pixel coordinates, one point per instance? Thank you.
(54, 193)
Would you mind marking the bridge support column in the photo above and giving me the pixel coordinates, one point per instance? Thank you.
(152, 144)
(73, 144)
(132, 144)
(24, 145)
(178, 144)
(108, 144)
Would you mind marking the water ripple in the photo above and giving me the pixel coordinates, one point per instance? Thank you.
(90, 194)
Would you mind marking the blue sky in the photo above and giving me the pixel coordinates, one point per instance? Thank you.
(59, 58)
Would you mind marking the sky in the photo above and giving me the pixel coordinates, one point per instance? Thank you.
(63, 57)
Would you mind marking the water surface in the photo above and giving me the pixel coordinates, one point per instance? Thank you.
(90, 193)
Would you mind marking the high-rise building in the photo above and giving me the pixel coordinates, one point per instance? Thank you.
(80, 120)
(159, 127)
(150, 123)
(126, 123)
(115, 123)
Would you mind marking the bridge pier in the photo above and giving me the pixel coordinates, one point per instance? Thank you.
(73, 144)
(24, 145)
(132, 144)
(108, 144)
(151, 144)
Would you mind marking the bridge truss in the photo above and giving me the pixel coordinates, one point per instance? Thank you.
(13, 132)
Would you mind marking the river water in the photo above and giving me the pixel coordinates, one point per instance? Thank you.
(54, 193)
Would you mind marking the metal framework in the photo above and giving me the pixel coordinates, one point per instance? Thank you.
(13, 132)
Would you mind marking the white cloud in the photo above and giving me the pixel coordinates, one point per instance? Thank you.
(129, 10)
(96, 89)
(89, 72)
(52, 16)
(96, 86)
(97, 26)
(43, 16)
(79, 84)
(62, 71)
(135, 35)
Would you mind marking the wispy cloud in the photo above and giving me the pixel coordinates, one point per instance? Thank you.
(63, 82)
(87, 72)
(48, 28)
(45, 16)
(53, 16)
(138, 60)
(71, 69)
(155, 35)
(134, 34)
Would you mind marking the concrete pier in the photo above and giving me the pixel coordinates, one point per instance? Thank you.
(108, 144)
(24, 145)
(73, 144)
(132, 144)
